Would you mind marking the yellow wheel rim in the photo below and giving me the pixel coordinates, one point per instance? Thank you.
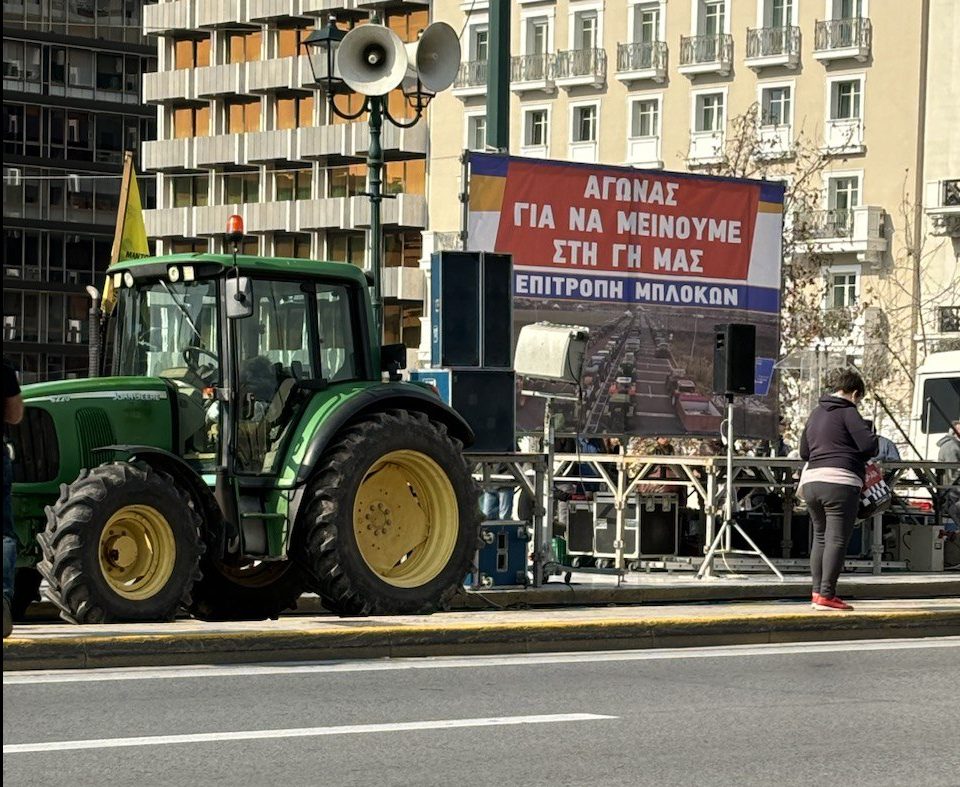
(137, 552)
(406, 519)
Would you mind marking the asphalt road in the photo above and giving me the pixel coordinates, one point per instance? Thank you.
(860, 713)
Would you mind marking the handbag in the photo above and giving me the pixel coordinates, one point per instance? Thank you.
(876, 495)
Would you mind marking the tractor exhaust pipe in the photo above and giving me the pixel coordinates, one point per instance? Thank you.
(93, 350)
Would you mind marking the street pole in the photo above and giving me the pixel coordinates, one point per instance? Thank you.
(375, 194)
(498, 77)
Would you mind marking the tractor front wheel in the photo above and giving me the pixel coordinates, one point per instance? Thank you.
(121, 544)
(391, 520)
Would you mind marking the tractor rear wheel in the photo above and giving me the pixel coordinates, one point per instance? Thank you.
(253, 591)
(391, 521)
(121, 544)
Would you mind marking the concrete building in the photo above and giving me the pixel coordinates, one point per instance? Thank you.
(71, 104)
(243, 129)
(655, 84)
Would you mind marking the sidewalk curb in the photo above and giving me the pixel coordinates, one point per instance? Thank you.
(346, 642)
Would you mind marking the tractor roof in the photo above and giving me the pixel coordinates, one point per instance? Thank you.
(253, 265)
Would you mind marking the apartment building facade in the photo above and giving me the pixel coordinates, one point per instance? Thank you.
(72, 75)
(242, 128)
(656, 83)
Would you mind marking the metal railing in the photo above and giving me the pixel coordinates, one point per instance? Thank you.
(472, 74)
(948, 318)
(532, 68)
(843, 34)
(581, 63)
(819, 224)
(773, 41)
(642, 56)
(696, 50)
(950, 196)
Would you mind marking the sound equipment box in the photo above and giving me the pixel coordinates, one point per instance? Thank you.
(734, 358)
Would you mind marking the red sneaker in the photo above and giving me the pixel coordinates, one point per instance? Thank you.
(814, 599)
(822, 602)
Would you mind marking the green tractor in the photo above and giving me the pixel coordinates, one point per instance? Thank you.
(243, 448)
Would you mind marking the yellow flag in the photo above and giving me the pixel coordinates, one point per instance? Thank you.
(130, 236)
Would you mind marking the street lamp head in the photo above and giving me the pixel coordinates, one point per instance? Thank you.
(322, 46)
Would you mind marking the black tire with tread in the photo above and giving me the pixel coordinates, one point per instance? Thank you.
(324, 539)
(70, 544)
(218, 596)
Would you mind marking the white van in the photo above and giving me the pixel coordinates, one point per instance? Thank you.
(936, 401)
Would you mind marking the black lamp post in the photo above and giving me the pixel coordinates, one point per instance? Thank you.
(322, 46)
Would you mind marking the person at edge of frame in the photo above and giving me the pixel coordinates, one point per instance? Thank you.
(836, 445)
(949, 451)
(12, 414)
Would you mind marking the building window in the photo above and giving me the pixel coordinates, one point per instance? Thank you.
(778, 13)
(645, 118)
(479, 46)
(775, 106)
(843, 290)
(405, 177)
(845, 99)
(476, 132)
(346, 181)
(535, 127)
(584, 124)
(346, 247)
(296, 245)
(109, 72)
(585, 29)
(80, 71)
(402, 249)
(948, 319)
(538, 35)
(294, 112)
(191, 122)
(241, 187)
(294, 184)
(190, 190)
(243, 114)
(290, 41)
(847, 9)
(188, 246)
(243, 47)
(191, 52)
(709, 112)
(712, 17)
(843, 193)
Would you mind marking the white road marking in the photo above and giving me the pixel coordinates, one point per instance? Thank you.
(301, 732)
(40, 677)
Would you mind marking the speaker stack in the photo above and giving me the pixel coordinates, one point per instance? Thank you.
(471, 317)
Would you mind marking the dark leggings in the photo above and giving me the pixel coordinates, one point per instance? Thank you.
(833, 513)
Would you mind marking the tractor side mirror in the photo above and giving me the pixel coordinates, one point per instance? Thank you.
(239, 298)
(393, 358)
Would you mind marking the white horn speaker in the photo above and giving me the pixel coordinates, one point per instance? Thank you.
(434, 57)
(372, 60)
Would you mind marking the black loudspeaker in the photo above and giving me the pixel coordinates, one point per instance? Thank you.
(486, 398)
(455, 309)
(580, 529)
(496, 300)
(734, 358)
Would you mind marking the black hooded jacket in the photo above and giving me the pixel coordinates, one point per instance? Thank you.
(836, 436)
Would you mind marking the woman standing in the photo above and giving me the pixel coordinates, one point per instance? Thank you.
(836, 445)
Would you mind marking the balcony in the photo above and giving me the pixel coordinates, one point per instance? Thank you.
(266, 10)
(342, 9)
(160, 87)
(219, 13)
(264, 76)
(840, 39)
(471, 79)
(169, 155)
(585, 152)
(948, 319)
(220, 149)
(581, 68)
(858, 230)
(397, 143)
(170, 17)
(269, 216)
(711, 54)
(644, 152)
(211, 219)
(773, 46)
(225, 80)
(266, 146)
(639, 61)
(407, 210)
(330, 144)
(942, 206)
(774, 142)
(843, 136)
(321, 214)
(706, 147)
(169, 222)
(531, 72)
(403, 284)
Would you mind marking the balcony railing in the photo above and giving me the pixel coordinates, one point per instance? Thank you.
(948, 319)
(642, 56)
(853, 35)
(820, 224)
(532, 68)
(942, 206)
(776, 43)
(472, 74)
(586, 66)
(706, 53)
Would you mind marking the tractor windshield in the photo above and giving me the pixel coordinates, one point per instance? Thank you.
(170, 330)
